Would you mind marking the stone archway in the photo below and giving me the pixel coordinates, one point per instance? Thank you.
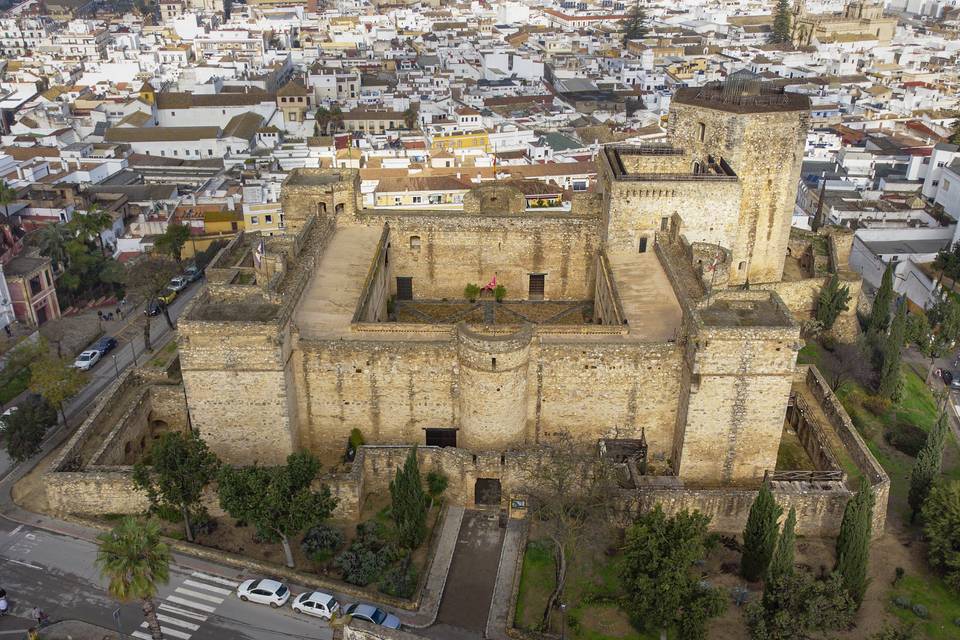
(487, 492)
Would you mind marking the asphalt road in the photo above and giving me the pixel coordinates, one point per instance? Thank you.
(129, 348)
(58, 574)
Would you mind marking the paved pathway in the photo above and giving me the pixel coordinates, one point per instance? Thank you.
(470, 583)
(511, 561)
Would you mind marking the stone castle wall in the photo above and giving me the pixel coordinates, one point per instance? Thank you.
(637, 208)
(740, 379)
(443, 253)
(544, 389)
(236, 376)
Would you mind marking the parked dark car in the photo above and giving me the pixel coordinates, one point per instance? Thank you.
(192, 273)
(106, 345)
(154, 308)
(947, 377)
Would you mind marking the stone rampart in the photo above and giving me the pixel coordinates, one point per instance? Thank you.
(854, 444)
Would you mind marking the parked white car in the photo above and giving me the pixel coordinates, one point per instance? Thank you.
(3, 419)
(87, 359)
(316, 603)
(268, 592)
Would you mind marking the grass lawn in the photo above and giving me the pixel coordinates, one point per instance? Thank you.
(15, 385)
(791, 456)
(918, 407)
(160, 357)
(590, 576)
(941, 603)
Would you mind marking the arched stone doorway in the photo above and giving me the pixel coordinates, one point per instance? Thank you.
(486, 492)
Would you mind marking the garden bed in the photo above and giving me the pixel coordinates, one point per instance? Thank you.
(237, 538)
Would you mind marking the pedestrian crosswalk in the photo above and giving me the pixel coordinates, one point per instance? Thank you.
(182, 612)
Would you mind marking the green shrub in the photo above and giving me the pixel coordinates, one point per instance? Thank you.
(906, 438)
(573, 620)
(436, 484)
(367, 556)
(877, 405)
(920, 611)
(471, 292)
(499, 293)
(320, 542)
(400, 581)
(903, 602)
(356, 439)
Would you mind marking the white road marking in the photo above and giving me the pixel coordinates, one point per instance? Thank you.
(25, 564)
(217, 579)
(191, 604)
(177, 622)
(182, 612)
(200, 585)
(141, 635)
(173, 633)
(16, 531)
(197, 594)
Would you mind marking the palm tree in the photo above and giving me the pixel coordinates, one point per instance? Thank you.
(410, 116)
(7, 195)
(52, 240)
(134, 560)
(336, 118)
(90, 224)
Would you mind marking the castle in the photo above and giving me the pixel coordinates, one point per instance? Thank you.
(654, 313)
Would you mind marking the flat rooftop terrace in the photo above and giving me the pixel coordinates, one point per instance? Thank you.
(646, 295)
(744, 313)
(331, 297)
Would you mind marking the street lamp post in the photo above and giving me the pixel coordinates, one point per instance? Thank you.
(116, 369)
(133, 349)
(116, 618)
(563, 621)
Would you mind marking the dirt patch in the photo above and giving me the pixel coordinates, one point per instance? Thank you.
(28, 493)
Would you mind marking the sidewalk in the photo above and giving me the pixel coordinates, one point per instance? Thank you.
(432, 594)
(511, 561)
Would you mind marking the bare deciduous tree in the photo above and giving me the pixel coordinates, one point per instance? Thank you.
(571, 492)
(149, 277)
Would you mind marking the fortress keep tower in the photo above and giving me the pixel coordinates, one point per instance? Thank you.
(759, 132)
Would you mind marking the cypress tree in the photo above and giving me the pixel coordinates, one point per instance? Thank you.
(760, 535)
(927, 466)
(409, 503)
(880, 314)
(782, 562)
(853, 543)
(635, 26)
(889, 386)
(833, 301)
(781, 22)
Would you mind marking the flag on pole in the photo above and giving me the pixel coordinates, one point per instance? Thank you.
(259, 252)
(491, 285)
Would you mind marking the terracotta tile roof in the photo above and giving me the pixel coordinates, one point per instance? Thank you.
(425, 183)
(161, 134)
(550, 169)
(174, 100)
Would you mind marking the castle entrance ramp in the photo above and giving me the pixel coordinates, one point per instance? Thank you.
(473, 575)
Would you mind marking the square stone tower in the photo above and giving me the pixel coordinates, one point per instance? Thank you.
(738, 369)
(760, 133)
